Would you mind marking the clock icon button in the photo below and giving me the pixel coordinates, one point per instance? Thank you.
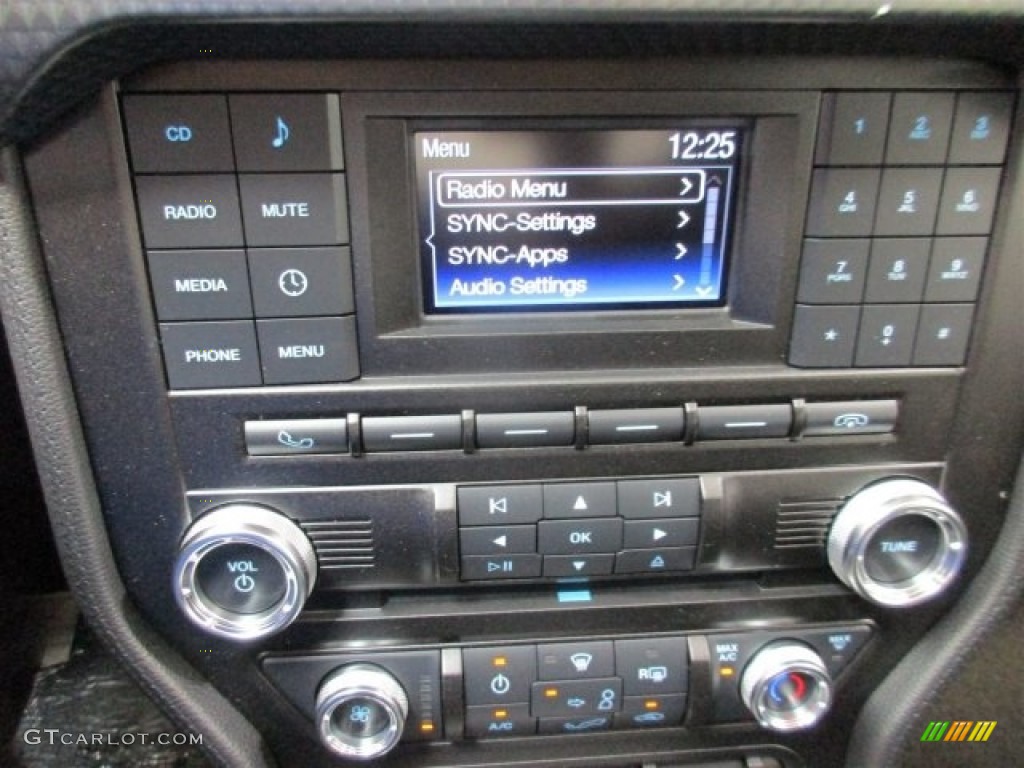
(293, 282)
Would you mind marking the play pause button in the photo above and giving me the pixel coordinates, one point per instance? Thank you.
(507, 567)
(560, 566)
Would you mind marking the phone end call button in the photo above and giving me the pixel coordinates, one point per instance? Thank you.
(856, 417)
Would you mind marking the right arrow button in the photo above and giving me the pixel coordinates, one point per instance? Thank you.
(664, 532)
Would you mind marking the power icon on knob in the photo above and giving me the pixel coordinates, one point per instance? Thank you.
(245, 583)
(500, 684)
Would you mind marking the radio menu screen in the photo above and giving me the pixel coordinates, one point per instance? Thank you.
(566, 219)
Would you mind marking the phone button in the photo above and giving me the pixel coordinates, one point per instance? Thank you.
(296, 436)
(856, 417)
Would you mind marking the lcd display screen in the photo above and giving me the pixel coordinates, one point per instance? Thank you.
(554, 220)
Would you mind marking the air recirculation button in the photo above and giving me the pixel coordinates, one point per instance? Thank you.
(243, 572)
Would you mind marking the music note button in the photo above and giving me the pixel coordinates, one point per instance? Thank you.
(281, 135)
(285, 132)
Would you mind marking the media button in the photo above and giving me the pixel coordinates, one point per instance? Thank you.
(567, 537)
(294, 208)
(178, 133)
(308, 351)
(210, 355)
(499, 504)
(566, 500)
(287, 131)
(200, 285)
(301, 282)
(189, 211)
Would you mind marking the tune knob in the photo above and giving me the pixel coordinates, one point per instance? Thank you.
(243, 572)
(786, 686)
(897, 543)
(361, 711)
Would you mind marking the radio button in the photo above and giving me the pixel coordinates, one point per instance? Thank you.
(180, 133)
(306, 351)
(568, 500)
(833, 271)
(296, 436)
(843, 202)
(301, 282)
(858, 417)
(678, 497)
(652, 666)
(735, 422)
(580, 566)
(286, 131)
(214, 355)
(651, 711)
(640, 425)
(500, 720)
(522, 566)
(981, 128)
(908, 201)
(571, 661)
(898, 270)
(500, 675)
(189, 211)
(919, 129)
(955, 272)
(294, 208)
(655, 560)
(499, 504)
(853, 128)
(200, 285)
(968, 201)
(823, 337)
(639, 534)
(576, 698)
(943, 334)
(524, 430)
(567, 537)
(498, 540)
(412, 433)
(887, 335)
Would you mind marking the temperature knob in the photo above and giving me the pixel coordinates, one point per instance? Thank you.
(243, 572)
(786, 686)
(361, 711)
(897, 543)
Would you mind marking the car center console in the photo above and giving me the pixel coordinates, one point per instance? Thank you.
(541, 413)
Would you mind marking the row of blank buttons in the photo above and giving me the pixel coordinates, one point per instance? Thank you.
(914, 128)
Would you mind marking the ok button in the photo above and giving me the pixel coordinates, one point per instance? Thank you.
(584, 536)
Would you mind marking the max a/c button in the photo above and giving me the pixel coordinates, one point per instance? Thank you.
(214, 355)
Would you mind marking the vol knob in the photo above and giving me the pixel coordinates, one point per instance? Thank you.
(243, 572)
(897, 543)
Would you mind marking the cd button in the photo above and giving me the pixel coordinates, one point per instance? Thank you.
(641, 425)
(655, 561)
(522, 566)
(180, 133)
(652, 666)
(579, 500)
(500, 720)
(640, 534)
(567, 537)
(286, 131)
(524, 430)
(734, 422)
(571, 661)
(667, 497)
(499, 504)
(296, 436)
(500, 675)
(301, 282)
(498, 540)
(567, 566)
(307, 351)
(412, 433)
(200, 285)
(294, 208)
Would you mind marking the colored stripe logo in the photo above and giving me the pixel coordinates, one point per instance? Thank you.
(959, 730)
